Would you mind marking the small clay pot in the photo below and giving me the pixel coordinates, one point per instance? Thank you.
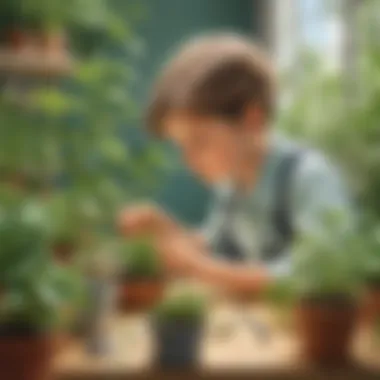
(140, 294)
(326, 326)
(26, 357)
(371, 302)
(19, 39)
(177, 343)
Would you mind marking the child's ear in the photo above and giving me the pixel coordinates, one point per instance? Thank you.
(253, 117)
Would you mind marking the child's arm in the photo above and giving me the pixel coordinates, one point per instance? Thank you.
(181, 255)
(186, 251)
(151, 220)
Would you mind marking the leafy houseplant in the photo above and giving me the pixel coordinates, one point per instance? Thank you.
(344, 123)
(371, 248)
(326, 279)
(36, 295)
(71, 220)
(142, 281)
(177, 324)
(42, 22)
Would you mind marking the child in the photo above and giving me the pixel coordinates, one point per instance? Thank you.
(216, 100)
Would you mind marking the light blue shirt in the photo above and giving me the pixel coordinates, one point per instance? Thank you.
(315, 188)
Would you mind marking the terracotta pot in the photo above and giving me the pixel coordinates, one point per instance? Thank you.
(371, 303)
(18, 39)
(140, 294)
(326, 327)
(26, 358)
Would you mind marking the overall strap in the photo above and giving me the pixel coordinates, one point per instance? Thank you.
(227, 244)
(281, 214)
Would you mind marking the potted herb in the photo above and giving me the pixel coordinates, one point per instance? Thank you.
(326, 279)
(177, 324)
(36, 296)
(371, 246)
(14, 35)
(142, 282)
(46, 21)
(72, 217)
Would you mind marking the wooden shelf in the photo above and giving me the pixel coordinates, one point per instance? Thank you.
(35, 63)
(240, 352)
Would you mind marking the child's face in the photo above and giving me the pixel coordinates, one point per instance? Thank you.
(211, 148)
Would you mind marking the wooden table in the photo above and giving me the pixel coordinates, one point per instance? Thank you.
(229, 347)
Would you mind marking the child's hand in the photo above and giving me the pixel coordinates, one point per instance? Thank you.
(144, 220)
(179, 252)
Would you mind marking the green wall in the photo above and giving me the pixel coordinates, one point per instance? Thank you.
(168, 23)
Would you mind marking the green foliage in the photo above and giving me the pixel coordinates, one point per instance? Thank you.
(69, 133)
(181, 306)
(370, 249)
(328, 112)
(48, 298)
(327, 263)
(140, 260)
(77, 131)
(71, 215)
(46, 14)
(23, 241)
(34, 291)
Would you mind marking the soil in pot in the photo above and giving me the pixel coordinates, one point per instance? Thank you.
(326, 326)
(25, 354)
(140, 294)
(177, 343)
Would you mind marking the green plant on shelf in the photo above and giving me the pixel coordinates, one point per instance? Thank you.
(343, 122)
(182, 306)
(140, 260)
(35, 293)
(77, 131)
(71, 216)
(370, 247)
(328, 263)
(324, 264)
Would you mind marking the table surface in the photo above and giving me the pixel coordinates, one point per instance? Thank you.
(229, 344)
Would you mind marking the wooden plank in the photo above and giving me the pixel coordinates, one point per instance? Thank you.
(229, 347)
(35, 63)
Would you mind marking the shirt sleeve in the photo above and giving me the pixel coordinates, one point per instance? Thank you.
(317, 189)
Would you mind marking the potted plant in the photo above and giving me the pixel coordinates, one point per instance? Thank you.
(72, 217)
(65, 230)
(371, 247)
(142, 282)
(325, 282)
(177, 324)
(36, 296)
(14, 36)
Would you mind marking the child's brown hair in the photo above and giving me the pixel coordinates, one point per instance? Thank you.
(214, 76)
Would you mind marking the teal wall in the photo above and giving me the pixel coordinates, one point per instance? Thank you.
(170, 22)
